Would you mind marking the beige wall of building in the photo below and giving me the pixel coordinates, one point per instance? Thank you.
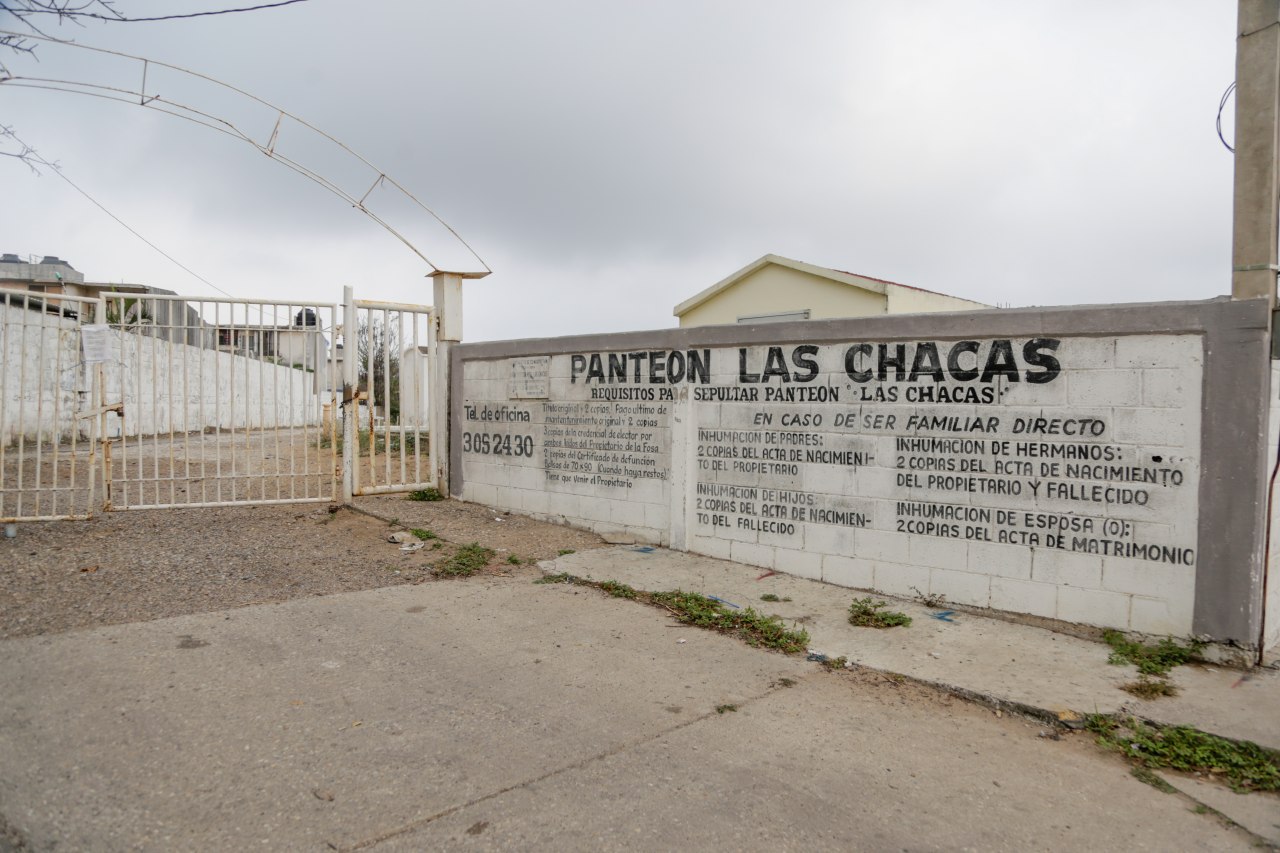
(774, 285)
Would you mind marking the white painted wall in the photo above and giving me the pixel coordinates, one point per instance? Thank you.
(182, 388)
(163, 385)
(704, 455)
(41, 380)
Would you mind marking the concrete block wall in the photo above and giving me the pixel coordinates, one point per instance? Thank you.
(574, 469)
(1076, 464)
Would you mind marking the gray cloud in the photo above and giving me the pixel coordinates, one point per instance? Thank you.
(608, 160)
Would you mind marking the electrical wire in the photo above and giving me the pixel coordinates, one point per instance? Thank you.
(179, 110)
(34, 155)
(1222, 104)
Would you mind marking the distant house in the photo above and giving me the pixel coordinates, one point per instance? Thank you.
(774, 289)
(52, 277)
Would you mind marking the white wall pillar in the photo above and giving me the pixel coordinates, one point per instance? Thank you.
(447, 300)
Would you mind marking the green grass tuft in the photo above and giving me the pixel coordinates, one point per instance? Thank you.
(1150, 688)
(690, 608)
(1155, 659)
(752, 627)
(427, 494)
(424, 535)
(1243, 765)
(618, 590)
(466, 562)
(865, 613)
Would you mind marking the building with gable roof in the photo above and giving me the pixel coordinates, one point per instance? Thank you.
(774, 289)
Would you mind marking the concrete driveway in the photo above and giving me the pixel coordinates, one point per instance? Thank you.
(499, 714)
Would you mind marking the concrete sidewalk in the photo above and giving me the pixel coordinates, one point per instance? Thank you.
(995, 660)
(495, 714)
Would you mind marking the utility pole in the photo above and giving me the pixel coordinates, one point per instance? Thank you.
(1257, 142)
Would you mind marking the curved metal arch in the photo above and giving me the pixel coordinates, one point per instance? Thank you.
(156, 102)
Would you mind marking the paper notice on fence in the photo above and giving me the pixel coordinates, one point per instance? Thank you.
(95, 340)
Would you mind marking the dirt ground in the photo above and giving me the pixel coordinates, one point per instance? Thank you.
(142, 565)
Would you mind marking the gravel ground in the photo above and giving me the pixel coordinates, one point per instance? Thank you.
(136, 566)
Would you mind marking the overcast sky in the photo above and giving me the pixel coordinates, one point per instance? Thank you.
(610, 159)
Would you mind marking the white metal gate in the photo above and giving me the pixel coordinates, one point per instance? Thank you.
(223, 401)
(387, 435)
(192, 402)
(48, 408)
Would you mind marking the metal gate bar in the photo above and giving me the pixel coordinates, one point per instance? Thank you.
(48, 401)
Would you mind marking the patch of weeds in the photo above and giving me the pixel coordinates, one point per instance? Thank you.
(436, 546)
(562, 577)
(466, 562)
(1155, 659)
(835, 664)
(768, 596)
(932, 600)
(564, 552)
(1147, 777)
(691, 608)
(1150, 688)
(721, 709)
(752, 627)
(785, 682)
(866, 613)
(513, 560)
(424, 535)
(618, 590)
(1243, 765)
(427, 494)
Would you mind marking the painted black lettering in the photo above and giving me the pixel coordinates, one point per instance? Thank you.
(927, 362)
(851, 362)
(963, 374)
(898, 361)
(1036, 353)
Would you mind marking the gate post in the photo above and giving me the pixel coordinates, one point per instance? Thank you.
(447, 301)
(350, 405)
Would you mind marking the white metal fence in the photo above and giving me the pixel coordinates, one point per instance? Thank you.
(48, 408)
(190, 402)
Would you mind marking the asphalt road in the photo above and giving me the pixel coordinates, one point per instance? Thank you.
(496, 714)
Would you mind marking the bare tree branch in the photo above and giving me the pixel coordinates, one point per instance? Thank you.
(70, 10)
(25, 153)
